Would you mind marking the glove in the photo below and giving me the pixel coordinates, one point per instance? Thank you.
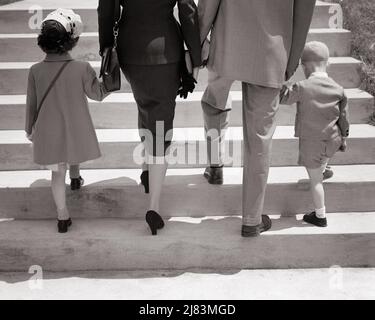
(187, 80)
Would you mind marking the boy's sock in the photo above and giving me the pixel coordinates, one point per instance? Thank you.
(321, 213)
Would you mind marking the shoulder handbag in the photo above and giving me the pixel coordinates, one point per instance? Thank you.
(57, 76)
(110, 67)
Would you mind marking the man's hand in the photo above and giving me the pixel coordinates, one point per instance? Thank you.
(29, 137)
(344, 145)
(205, 52)
(289, 74)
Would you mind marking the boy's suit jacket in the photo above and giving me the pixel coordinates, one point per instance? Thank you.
(149, 33)
(322, 108)
(255, 41)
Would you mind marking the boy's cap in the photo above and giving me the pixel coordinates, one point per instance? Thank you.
(315, 51)
(70, 21)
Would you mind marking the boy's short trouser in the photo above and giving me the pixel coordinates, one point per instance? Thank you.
(315, 153)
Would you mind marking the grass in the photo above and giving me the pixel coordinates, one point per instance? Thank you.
(359, 17)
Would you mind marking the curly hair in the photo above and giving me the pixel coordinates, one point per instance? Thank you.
(53, 38)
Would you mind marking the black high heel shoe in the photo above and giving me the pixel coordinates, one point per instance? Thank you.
(144, 181)
(76, 183)
(155, 222)
(63, 225)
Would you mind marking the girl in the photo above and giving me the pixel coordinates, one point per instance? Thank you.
(57, 115)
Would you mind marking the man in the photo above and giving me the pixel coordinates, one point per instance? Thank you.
(258, 42)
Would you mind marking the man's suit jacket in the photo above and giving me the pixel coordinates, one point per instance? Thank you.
(149, 34)
(255, 41)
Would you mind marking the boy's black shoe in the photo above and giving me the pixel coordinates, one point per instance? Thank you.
(63, 225)
(214, 175)
(328, 173)
(76, 183)
(249, 231)
(313, 219)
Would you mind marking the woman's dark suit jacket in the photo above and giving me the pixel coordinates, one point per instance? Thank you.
(149, 34)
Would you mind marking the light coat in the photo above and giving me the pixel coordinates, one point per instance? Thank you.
(64, 132)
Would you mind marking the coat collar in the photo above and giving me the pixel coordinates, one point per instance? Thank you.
(319, 74)
(54, 57)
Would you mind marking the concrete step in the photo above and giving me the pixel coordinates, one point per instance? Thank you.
(345, 70)
(187, 244)
(120, 148)
(117, 193)
(338, 40)
(119, 111)
(23, 18)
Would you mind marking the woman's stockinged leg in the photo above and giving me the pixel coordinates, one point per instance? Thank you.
(74, 171)
(157, 171)
(316, 186)
(58, 191)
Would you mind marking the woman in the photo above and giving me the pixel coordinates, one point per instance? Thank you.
(151, 54)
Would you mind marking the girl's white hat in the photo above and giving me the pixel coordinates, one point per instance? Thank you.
(71, 21)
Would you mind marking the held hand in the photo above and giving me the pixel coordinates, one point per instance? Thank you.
(344, 145)
(29, 137)
(205, 52)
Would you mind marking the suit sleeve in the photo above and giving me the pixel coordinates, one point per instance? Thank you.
(207, 11)
(188, 15)
(31, 103)
(343, 121)
(94, 89)
(302, 17)
(106, 21)
(290, 95)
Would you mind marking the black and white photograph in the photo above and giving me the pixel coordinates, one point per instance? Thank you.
(187, 154)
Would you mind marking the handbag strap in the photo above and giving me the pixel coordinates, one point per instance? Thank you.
(117, 18)
(49, 90)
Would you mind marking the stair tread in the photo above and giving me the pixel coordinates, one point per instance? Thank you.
(96, 64)
(122, 97)
(189, 177)
(73, 4)
(208, 231)
(96, 34)
(183, 134)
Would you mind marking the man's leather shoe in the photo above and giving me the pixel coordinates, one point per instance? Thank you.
(250, 231)
(214, 175)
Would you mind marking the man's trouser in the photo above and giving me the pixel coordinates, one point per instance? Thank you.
(260, 105)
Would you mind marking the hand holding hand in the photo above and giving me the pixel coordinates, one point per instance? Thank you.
(344, 145)
(29, 137)
(205, 52)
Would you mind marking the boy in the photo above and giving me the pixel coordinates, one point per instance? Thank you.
(321, 123)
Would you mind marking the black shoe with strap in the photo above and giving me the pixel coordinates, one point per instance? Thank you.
(76, 183)
(313, 219)
(214, 175)
(63, 225)
(255, 231)
(328, 173)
